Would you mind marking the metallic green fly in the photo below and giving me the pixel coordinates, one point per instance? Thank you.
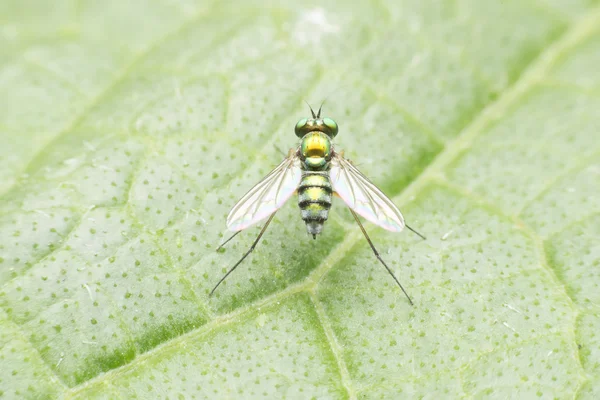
(316, 172)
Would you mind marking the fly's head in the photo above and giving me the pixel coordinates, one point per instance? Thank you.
(316, 123)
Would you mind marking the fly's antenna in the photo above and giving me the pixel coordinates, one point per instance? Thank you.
(311, 110)
(321, 106)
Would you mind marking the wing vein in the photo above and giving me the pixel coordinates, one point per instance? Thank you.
(267, 196)
(363, 197)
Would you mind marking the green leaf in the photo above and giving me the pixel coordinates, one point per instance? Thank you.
(129, 130)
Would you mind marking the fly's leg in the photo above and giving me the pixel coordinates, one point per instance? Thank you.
(413, 231)
(262, 231)
(227, 241)
(283, 153)
(379, 257)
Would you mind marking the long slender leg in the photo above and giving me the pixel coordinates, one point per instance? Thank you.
(412, 230)
(379, 257)
(227, 241)
(262, 231)
(279, 150)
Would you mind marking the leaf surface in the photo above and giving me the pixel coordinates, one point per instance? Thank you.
(129, 129)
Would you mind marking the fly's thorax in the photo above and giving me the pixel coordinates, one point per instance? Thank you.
(315, 151)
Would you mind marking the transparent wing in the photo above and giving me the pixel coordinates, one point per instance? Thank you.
(362, 196)
(266, 196)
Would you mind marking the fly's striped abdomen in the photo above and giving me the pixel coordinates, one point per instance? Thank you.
(314, 199)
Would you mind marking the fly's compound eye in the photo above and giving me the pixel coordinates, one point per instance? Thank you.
(301, 127)
(332, 126)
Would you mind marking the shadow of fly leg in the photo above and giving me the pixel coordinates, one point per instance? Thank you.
(262, 231)
(379, 257)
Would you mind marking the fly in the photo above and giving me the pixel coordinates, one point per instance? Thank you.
(316, 172)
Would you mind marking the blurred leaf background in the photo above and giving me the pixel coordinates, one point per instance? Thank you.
(129, 129)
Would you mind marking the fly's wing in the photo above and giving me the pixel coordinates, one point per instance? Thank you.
(267, 196)
(362, 196)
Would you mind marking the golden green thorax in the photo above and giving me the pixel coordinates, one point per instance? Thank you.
(315, 150)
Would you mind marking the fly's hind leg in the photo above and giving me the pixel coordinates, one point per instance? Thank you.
(379, 257)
